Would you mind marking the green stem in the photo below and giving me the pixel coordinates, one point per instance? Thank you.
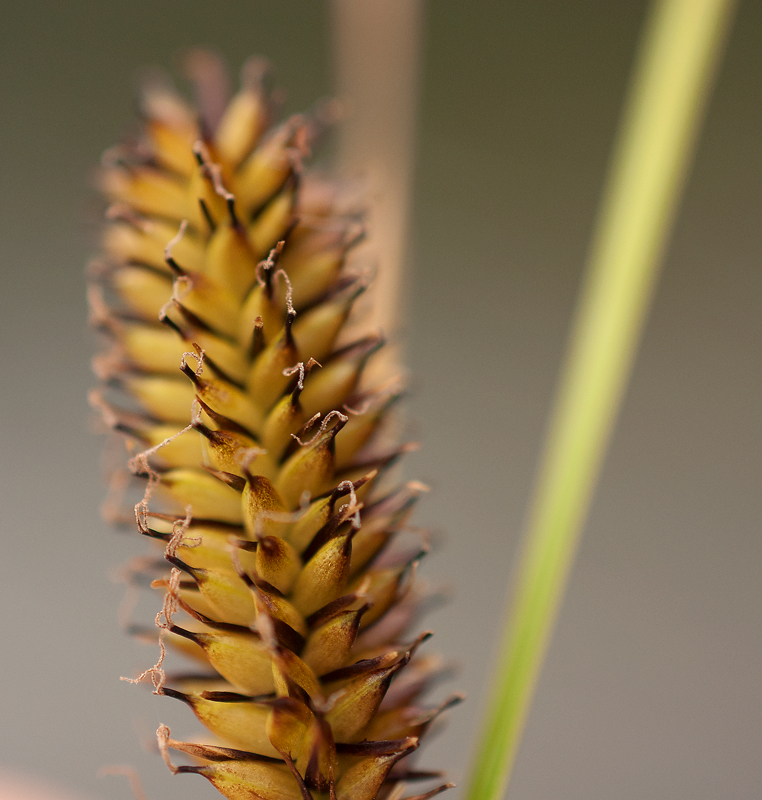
(678, 58)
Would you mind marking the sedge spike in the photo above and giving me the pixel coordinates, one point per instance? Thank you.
(236, 369)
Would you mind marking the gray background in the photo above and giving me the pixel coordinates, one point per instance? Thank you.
(652, 685)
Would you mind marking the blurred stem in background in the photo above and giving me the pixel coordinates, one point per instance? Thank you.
(377, 47)
(673, 73)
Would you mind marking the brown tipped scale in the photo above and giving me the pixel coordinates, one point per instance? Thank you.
(236, 364)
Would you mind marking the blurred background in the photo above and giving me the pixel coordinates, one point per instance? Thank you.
(652, 685)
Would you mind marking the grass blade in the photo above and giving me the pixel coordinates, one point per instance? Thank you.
(673, 74)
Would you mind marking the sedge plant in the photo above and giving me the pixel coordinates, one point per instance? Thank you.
(236, 369)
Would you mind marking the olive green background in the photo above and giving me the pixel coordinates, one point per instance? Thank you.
(652, 685)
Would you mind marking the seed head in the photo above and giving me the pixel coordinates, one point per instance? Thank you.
(236, 368)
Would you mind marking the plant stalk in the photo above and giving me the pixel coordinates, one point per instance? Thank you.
(377, 52)
(673, 74)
